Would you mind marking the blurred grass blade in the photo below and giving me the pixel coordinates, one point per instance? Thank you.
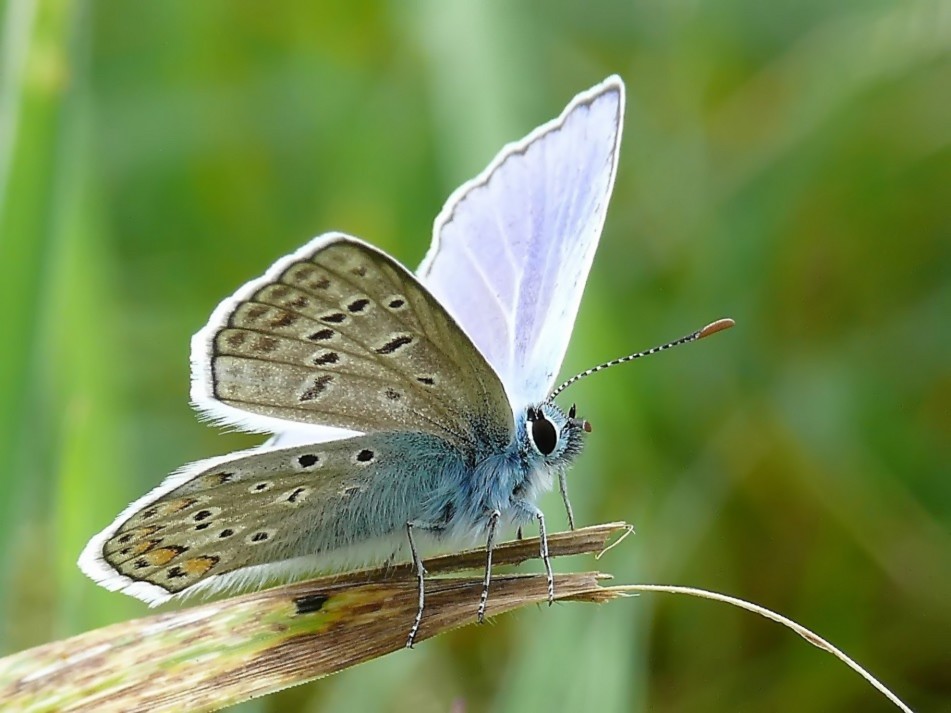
(34, 80)
(608, 593)
(218, 654)
(797, 93)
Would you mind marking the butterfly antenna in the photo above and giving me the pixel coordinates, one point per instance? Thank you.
(711, 328)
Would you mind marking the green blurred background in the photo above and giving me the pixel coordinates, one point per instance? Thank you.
(787, 164)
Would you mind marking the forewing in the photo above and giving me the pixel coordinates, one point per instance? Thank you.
(339, 335)
(249, 516)
(512, 248)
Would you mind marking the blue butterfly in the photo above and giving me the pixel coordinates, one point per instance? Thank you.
(406, 408)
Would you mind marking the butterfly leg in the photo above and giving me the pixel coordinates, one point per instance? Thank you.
(420, 574)
(543, 539)
(563, 487)
(489, 546)
(532, 511)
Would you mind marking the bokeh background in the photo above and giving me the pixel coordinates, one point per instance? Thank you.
(786, 163)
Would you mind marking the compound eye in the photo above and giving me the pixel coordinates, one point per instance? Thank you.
(544, 435)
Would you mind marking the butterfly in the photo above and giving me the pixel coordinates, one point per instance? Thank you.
(405, 407)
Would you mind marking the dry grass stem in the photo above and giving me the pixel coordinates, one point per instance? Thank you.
(217, 654)
(224, 652)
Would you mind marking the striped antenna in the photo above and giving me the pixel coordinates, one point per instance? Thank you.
(711, 328)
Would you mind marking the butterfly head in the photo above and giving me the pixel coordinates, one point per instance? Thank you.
(553, 434)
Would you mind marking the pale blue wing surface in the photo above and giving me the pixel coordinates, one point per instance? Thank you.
(512, 248)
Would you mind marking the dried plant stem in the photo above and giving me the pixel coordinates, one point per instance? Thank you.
(805, 633)
(218, 654)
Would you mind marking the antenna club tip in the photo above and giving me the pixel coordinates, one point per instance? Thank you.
(715, 327)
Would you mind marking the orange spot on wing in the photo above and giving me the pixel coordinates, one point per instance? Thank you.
(177, 505)
(163, 555)
(143, 547)
(197, 566)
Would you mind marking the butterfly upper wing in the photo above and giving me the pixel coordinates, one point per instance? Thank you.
(340, 336)
(312, 501)
(512, 248)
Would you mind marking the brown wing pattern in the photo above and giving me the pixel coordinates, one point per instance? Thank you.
(271, 506)
(348, 337)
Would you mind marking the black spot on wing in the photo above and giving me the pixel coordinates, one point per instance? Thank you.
(395, 343)
(318, 387)
(358, 305)
(326, 358)
(308, 460)
(322, 335)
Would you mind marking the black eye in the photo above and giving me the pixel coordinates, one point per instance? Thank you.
(543, 433)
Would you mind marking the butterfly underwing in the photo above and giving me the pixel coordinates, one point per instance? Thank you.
(404, 407)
